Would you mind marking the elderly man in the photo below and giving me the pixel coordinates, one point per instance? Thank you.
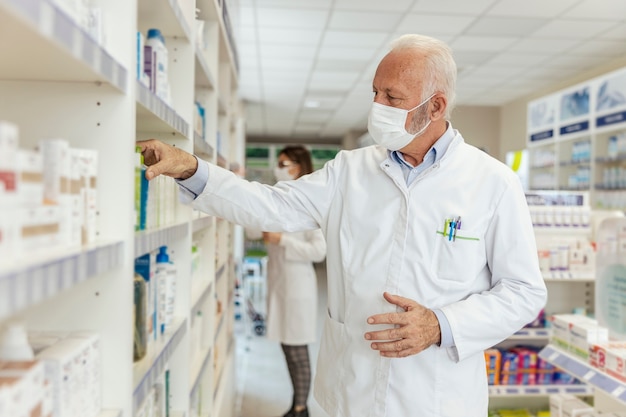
(431, 253)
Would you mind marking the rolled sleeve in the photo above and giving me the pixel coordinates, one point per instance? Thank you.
(195, 184)
(447, 340)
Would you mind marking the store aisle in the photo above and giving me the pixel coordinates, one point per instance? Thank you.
(263, 386)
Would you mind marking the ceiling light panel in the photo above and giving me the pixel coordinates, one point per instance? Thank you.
(338, 53)
(598, 48)
(319, 79)
(291, 18)
(299, 4)
(358, 39)
(530, 8)
(551, 46)
(434, 24)
(616, 33)
(507, 26)
(599, 9)
(247, 34)
(364, 21)
(483, 43)
(371, 5)
(292, 64)
(246, 16)
(319, 116)
(289, 36)
(325, 101)
(471, 8)
(340, 64)
(287, 51)
(572, 29)
(470, 58)
(522, 60)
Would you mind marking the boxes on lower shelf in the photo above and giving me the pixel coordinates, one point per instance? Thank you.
(64, 379)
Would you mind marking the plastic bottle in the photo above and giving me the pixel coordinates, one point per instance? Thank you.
(140, 344)
(161, 86)
(14, 344)
(161, 277)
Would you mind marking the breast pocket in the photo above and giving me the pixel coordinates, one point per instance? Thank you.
(458, 258)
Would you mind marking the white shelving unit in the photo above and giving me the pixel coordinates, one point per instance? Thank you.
(566, 290)
(609, 389)
(537, 390)
(56, 81)
(556, 131)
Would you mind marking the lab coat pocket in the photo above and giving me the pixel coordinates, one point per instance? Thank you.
(331, 355)
(459, 258)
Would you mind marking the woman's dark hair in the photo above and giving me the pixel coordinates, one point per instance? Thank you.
(301, 156)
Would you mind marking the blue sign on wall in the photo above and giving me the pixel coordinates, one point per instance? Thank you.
(573, 128)
(546, 134)
(610, 119)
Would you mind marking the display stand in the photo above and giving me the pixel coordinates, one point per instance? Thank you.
(609, 391)
(59, 81)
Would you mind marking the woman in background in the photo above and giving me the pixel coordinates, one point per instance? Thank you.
(292, 286)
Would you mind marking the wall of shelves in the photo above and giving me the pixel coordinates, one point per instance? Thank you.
(57, 81)
(569, 133)
(568, 289)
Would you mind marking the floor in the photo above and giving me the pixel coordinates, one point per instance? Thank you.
(263, 385)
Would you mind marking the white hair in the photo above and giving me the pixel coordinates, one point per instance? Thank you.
(440, 68)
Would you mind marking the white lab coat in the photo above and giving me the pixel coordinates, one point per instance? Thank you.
(382, 236)
(292, 287)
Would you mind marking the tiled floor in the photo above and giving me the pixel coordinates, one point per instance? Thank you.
(263, 385)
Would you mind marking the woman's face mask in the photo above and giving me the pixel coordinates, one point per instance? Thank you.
(282, 174)
(386, 125)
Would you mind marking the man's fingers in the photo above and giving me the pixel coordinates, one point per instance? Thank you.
(389, 334)
(152, 172)
(400, 301)
(386, 318)
(393, 346)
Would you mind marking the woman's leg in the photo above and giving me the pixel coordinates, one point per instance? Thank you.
(300, 372)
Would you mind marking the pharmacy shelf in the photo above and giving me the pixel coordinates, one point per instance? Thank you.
(584, 371)
(220, 272)
(52, 37)
(110, 413)
(201, 223)
(199, 293)
(218, 385)
(562, 231)
(204, 76)
(198, 369)
(538, 390)
(211, 10)
(530, 334)
(147, 371)
(166, 15)
(568, 276)
(202, 149)
(218, 329)
(148, 240)
(156, 116)
(30, 281)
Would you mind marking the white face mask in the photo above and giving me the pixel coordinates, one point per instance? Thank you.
(282, 174)
(386, 125)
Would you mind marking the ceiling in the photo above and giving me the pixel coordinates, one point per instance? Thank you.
(306, 66)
